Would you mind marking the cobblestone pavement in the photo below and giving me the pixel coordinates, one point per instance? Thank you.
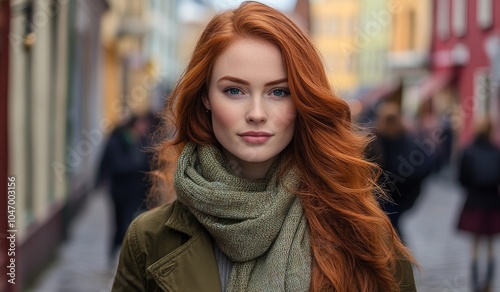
(429, 229)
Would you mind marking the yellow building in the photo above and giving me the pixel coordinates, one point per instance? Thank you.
(122, 30)
(408, 57)
(140, 40)
(411, 33)
(375, 24)
(335, 31)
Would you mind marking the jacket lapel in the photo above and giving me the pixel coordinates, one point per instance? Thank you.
(192, 266)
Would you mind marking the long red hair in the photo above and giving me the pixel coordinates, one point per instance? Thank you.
(354, 247)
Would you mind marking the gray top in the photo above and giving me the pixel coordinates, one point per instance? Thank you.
(224, 264)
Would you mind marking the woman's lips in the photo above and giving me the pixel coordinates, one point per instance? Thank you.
(255, 137)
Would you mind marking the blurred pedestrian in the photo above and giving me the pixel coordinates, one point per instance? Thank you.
(446, 147)
(272, 191)
(124, 165)
(479, 173)
(405, 164)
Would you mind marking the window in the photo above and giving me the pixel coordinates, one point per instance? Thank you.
(460, 17)
(484, 13)
(443, 19)
(412, 27)
(54, 24)
(481, 92)
(29, 108)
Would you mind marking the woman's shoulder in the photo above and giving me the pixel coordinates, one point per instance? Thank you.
(155, 216)
(166, 221)
(150, 226)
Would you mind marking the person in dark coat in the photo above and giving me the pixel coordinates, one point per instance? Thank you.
(403, 163)
(125, 164)
(479, 174)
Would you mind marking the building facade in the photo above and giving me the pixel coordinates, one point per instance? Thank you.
(408, 58)
(53, 120)
(140, 40)
(373, 49)
(466, 45)
(375, 21)
(336, 32)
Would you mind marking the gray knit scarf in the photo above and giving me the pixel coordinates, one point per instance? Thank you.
(258, 224)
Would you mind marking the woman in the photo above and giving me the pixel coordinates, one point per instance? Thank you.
(479, 173)
(272, 189)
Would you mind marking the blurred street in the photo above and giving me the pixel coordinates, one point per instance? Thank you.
(81, 264)
(442, 251)
(429, 228)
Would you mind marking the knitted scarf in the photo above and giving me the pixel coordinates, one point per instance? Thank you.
(259, 224)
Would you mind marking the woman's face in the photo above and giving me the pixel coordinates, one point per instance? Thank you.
(253, 114)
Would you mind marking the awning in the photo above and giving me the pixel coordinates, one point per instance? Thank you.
(434, 83)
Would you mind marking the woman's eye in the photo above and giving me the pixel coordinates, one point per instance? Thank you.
(233, 91)
(280, 92)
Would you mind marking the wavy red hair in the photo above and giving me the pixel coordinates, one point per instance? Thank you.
(354, 246)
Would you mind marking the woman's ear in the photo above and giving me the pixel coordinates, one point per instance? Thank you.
(206, 102)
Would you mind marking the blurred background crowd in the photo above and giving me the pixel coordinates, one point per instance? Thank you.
(82, 78)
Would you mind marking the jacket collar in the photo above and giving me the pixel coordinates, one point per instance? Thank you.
(182, 220)
(192, 266)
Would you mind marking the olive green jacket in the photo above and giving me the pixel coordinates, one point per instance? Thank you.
(167, 249)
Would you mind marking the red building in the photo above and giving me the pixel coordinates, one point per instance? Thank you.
(465, 64)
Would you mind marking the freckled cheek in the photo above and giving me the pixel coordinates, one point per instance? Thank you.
(284, 118)
(223, 119)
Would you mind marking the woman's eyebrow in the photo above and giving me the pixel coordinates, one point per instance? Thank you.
(244, 82)
(234, 79)
(282, 80)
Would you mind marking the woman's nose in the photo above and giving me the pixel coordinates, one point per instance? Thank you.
(257, 112)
